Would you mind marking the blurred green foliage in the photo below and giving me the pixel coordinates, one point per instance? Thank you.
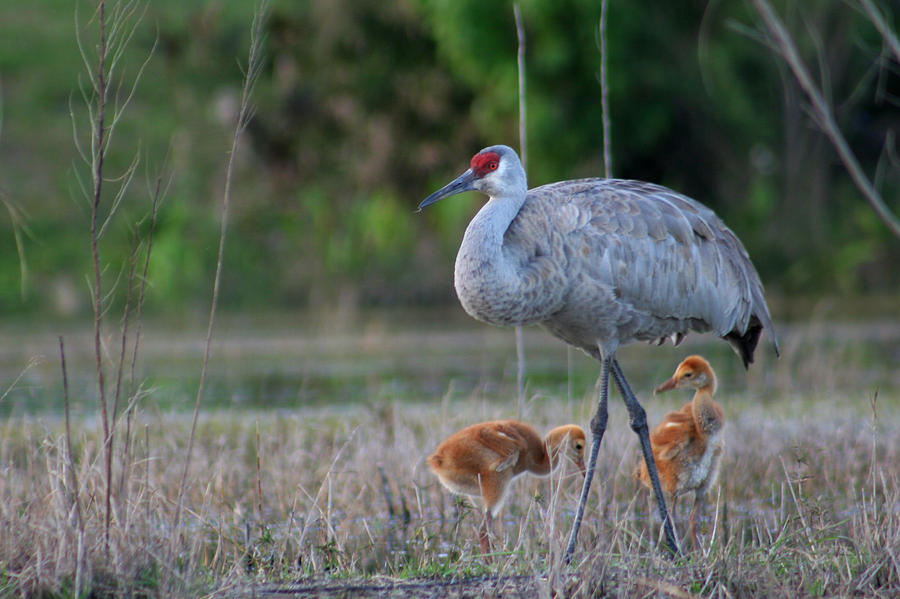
(364, 107)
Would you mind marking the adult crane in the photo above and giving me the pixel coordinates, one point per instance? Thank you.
(601, 263)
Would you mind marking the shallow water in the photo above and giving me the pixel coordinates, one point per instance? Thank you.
(285, 361)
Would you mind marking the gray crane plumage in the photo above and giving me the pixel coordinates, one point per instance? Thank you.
(601, 263)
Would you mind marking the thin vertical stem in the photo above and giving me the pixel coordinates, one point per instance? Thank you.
(97, 155)
(126, 445)
(604, 94)
(520, 35)
(259, 494)
(523, 151)
(126, 318)
(520, 372)
(244, 113)
(73, 475)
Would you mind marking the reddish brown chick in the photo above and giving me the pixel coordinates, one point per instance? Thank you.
(688, 444)
(483, 459)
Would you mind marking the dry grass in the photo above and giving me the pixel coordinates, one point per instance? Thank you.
(809, 501)
(808, 505)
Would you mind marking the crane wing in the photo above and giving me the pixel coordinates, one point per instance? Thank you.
(673, 434)
(504, 440)
(668, 262)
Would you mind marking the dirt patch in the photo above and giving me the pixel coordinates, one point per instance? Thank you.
(508, 587)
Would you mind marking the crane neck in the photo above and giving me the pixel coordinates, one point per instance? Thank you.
(484, 235)
(489, 283)
(707, 414)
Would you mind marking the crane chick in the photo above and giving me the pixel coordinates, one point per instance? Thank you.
(688, 444)
(482, 460)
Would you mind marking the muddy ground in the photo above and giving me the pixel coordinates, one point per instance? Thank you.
(512, 587)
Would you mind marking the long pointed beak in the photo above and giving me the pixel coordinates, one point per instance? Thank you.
(462, 183)
(581, 467)
(667, 386)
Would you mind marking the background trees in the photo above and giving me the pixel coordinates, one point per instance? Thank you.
(364, 107)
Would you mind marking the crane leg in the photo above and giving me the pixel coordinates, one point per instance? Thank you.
(638, 421)
(598, 427)
(698, 508)
(484, 535)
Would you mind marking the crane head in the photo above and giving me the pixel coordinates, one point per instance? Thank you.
(694, 372)
(495, 170)
(568, 441)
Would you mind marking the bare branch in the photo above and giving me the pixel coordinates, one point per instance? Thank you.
(890, 38)
(823, 114)
(77, 141)
(120, 106)
(120, 193)
(34, 361)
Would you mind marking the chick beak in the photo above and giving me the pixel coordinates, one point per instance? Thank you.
(579, 462)
(667, 386)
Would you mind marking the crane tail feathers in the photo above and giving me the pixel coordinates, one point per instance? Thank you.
(745, 344)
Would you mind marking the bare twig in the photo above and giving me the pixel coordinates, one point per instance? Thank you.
(244, 113)
(604, 93)
(520, 35)
(34, 361)
(878, 20)
(259, 493)
(873, 464)
(523, 150)
(126, 318)
(823, 114)
(126, 443)
(70, 462)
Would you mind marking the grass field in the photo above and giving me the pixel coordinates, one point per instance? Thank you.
(301, 472)
(307, 468)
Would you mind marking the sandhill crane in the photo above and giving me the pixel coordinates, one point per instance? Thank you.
(482, 460)
(688, 444)
(600, 263)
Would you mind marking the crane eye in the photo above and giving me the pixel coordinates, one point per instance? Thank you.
(492, 165)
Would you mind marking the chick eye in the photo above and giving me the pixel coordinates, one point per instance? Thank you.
(688, 375)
